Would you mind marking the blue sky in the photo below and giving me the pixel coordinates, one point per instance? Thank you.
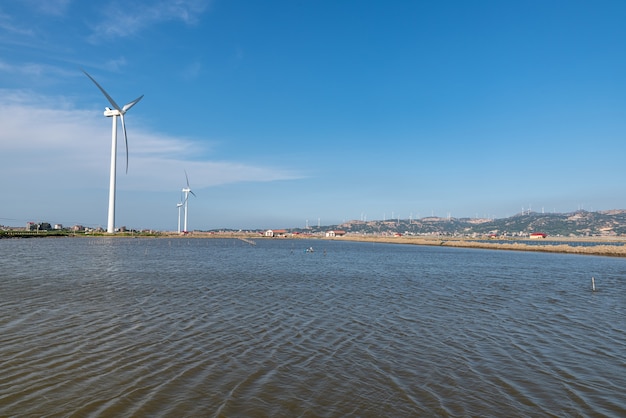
(284, 112)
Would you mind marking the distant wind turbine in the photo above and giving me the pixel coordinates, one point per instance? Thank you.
(186, 190)
(114, 113)
(179, 205)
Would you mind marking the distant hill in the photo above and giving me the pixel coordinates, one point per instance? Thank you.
(580, 223)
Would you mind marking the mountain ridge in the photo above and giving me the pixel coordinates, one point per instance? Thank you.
(580, 223)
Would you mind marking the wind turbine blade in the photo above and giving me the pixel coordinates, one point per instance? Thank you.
(131, 104)
(187, 178)
(125, 139)
(109, 98)
(194, 195)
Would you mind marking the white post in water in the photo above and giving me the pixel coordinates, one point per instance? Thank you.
(593, 284)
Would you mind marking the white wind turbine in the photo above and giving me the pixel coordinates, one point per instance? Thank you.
(186, 190)
(179, 205)
(114, 113)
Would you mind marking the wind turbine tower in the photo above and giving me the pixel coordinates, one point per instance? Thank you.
(186, 190)
(179, 205)
(114, 113)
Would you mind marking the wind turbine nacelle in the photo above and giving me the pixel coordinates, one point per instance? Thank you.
(111, 112)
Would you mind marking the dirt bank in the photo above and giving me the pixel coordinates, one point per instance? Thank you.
(571, 246)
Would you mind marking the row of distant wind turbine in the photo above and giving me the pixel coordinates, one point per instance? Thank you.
(114, 113)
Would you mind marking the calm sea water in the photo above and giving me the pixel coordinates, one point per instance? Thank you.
(213, 327)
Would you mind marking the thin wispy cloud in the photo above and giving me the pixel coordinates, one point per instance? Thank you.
(25, 69)
(10, 28)
(123, 20)
(116, 64)
(58, 144)
(50, 7)
(26, 73)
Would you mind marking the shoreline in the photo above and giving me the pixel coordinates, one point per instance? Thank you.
(562, 245)
(557, 246)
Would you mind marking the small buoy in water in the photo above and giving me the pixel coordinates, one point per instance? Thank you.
(593, 284)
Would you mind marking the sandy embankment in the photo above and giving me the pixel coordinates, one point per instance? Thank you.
(561, 246)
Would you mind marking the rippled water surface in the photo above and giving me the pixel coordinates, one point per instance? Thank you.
(212, 327)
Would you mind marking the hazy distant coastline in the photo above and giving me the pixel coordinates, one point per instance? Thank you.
(599, 246)
(615, 247)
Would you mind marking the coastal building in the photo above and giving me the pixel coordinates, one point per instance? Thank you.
(538, 235)
(336, 233)
(275, 233)
(41, 226)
